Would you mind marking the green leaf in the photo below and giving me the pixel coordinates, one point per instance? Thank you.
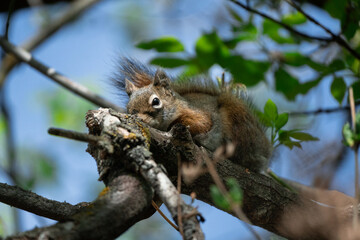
(357, 123)
(281, 121)
(286, 84)
(294, 18)
(246, 32)
(305, 87)
(169, 62)
(337, 65)
(245, 71)
(235, 191)
(2, 124)
(264, 120)
(336, 8)
(164, 44)
(218, 198)
(350, 29)
(45, 168)
(302, 136)
(338, 89)
(272, 30)
(210, 49)
(65, 109)
(270, 110)
(356, 89)
(297, 59)
(283, 135)
(235, 15)
(292, 144)
(348, 135)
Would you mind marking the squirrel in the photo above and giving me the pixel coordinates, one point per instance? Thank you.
(213, 116)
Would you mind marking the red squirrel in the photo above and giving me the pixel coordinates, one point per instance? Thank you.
(214, 117)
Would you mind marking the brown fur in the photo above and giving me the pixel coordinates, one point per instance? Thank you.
(214, 117)
(141, 80)
(198, 121)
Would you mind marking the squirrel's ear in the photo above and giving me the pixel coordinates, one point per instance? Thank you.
(129, 87)
(161, 79)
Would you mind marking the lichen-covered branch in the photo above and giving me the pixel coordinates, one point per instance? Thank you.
(131, 143)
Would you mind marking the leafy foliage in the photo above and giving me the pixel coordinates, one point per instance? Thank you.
(211, 49)
(36, 167)
(164, 44)
(65, 109)
(276, 122)
(351, 136)
(234, 195)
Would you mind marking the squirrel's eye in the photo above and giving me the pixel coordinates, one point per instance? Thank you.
(155, 102)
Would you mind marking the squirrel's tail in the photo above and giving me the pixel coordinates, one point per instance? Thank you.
(134, 71)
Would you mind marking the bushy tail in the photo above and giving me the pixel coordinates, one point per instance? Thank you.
(134, 71)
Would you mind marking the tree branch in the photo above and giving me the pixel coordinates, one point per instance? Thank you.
(287, 27)
(265, 202)
(4, 4)
(114, 124)
(323, 110)
(31, 202)
(73, 87)
(74, 10)
(334, 37)
(125, 201)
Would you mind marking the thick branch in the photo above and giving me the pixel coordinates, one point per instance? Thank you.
(266, 203)
(124, 202)
(29, 201)
(132, 141)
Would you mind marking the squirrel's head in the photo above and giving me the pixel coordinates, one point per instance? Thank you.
(152, 101)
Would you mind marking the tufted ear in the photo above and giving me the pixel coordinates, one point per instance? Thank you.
(130, 87)
(161, 79)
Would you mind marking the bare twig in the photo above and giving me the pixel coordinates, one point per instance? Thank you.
(287, 27)
(334, 37)
(321, 110)
(84, 137)
(179, 212)
(163, 215)
(74, 10)
(72, 86)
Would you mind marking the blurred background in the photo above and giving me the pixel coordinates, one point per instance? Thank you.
(87, 49)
